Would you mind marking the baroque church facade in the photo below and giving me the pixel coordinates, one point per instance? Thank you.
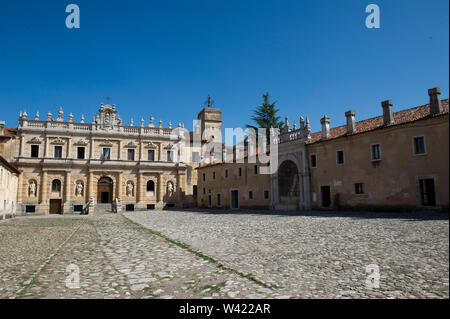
(67, 166)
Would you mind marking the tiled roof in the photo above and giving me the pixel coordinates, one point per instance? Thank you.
(8, 165)
(9, 132)
(401, 117)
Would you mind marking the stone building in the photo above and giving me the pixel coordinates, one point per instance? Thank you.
(9, 177)
(399, 160)
(234, 185)
(68, 165)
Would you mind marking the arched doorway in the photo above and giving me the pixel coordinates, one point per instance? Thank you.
(105, 190)
(288, 183)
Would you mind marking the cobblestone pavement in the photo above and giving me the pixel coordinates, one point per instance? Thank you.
(320, 255)
(223, 255)
(116, 258)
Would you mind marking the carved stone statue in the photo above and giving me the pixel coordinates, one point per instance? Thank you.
(170, 189)
(130, 189)
(79, 189)
(32, 189)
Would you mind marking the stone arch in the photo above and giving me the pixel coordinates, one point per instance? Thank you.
(289, 182)
(56, 186)
(105, 189)
(150, 185)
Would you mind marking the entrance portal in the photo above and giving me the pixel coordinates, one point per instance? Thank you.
(55, 206)
(105, 190)
(288, 183)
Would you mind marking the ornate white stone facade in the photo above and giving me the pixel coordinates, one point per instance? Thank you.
(64, 163)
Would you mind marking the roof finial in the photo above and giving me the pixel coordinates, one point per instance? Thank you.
(209, 102)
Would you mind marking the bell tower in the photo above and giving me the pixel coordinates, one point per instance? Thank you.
(211, 123)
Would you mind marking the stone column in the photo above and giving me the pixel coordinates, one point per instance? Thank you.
(69, 140)
(119, 151)
(20, 189)
(140, 150)
(90, 185)
(119, 185)
(21, 146)
(46, 146)
(140, 182)
(178, 188)
(67, 190)
(43, 193)
(160, 189)
(91, 149)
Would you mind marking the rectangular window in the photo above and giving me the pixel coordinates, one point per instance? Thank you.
(151, 155)
(340, 157)
(34, 150)
(214, 175)
(226, 173)
(250, 195)
(131, 155)
(106, 154)
(219, 200)
(204, 176)
(195, 157)
(266, 194)
(359, 188)
(240, 171)
(80, 152)
(204, 191)
(255, 169)
(194, 190)
(58, 152)
(419, 145)
(313, 161)
(376, 152)
(169, 156)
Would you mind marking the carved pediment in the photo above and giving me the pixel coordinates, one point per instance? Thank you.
(35, 140)
(169, 146)
(58, 141)
(81, 142)
(150, 145)
(106, 143)
(131, 144)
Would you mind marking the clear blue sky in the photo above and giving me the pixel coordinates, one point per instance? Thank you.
(164, 57)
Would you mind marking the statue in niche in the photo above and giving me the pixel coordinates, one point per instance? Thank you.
(130, 189)
(32, 189)
(79, 189)
(170, 189)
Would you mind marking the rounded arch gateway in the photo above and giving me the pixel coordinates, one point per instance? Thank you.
(288, 183)
(105, 190)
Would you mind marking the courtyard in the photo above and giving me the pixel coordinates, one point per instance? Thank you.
(225, 254)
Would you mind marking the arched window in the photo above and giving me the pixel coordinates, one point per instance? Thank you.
(150, 186)
(56, 185)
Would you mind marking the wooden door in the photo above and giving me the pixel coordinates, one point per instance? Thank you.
(55, 206)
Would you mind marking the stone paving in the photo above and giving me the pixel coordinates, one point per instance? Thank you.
(321, 255)
(116, 259)
(194, 254)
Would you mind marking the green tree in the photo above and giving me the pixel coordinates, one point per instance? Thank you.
(265, 116)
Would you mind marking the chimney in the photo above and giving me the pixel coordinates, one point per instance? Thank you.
(435, 101)
(388, 117)
(2, 126)
(350, 115)
(325, 121)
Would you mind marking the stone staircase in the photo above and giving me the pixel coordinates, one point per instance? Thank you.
(103, 208)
